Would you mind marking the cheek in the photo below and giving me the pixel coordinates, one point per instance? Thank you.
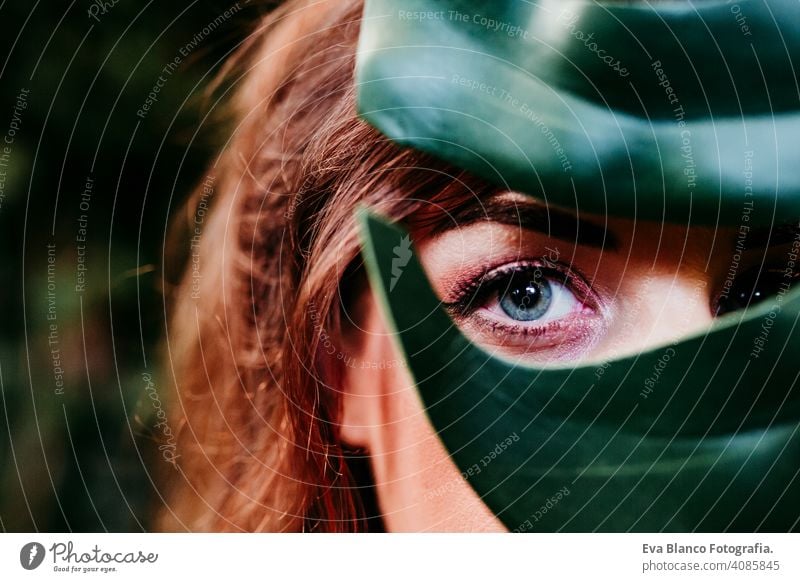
(419, 487)
(404, 445)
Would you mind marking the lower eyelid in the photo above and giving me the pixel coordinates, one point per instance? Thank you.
(508, 328)
(566, 338)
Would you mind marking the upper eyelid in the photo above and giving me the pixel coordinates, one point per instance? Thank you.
(489, 274)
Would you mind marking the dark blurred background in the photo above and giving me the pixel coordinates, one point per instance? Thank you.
(91, 171)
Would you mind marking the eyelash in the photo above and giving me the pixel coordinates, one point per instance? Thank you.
(473, 293)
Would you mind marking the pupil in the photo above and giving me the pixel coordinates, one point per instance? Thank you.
(750, 289)
(527, 296)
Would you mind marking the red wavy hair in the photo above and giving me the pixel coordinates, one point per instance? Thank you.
(256, 401)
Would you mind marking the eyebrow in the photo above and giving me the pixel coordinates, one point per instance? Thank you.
(531, 216)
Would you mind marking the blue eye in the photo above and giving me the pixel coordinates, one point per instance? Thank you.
(538, 309)
(527, 296)
(530, 295)
(520, 296)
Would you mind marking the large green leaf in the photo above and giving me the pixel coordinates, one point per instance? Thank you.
(697, 435)
(668, 111)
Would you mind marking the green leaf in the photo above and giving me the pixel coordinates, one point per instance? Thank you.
(713, 445)
(669, 111)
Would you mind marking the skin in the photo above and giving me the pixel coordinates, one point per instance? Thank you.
(659, 282)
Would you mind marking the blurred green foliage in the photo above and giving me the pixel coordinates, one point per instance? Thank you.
(82, 319)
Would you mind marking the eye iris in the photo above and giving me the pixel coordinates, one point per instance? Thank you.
(527, 296)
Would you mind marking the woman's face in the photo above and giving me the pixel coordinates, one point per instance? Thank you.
(534, 287)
